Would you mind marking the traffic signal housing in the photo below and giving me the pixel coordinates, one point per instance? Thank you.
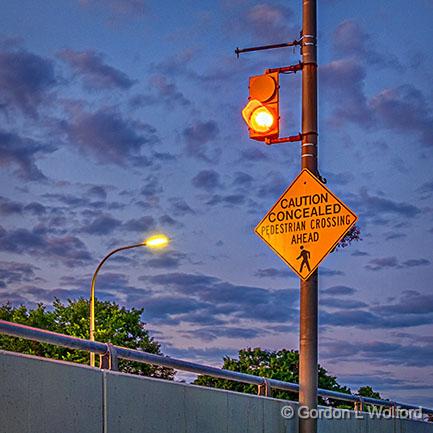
(261, 114)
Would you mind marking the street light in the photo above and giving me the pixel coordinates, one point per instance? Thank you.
(156, 241)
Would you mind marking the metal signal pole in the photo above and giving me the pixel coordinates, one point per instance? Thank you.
(308, 336)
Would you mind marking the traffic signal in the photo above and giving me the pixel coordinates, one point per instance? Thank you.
(261, 114)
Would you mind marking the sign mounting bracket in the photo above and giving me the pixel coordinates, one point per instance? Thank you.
(267, 47)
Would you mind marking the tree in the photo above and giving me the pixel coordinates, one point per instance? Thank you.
(281, 365)
(115, 324)
(367, 391)
(354, 234)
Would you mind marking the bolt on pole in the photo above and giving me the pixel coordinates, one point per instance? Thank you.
(308, 335)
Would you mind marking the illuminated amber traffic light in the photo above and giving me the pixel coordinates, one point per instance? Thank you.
(262, 112)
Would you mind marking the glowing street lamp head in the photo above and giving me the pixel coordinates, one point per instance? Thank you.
(157, 241)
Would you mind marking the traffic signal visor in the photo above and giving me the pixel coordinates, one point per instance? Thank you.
(258, 117)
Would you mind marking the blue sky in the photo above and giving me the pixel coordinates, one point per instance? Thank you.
(122, 118)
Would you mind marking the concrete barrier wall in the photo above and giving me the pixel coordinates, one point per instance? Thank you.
(44, 396)
(41, 396)
(154, 406)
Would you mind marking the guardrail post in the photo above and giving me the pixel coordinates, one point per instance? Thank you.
(394, 410)
(264, 389)
(109, 360)
(359, 405)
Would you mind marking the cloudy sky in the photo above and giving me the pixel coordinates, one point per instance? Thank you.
(119, 118)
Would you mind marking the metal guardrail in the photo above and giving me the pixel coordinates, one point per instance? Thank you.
(110, 354)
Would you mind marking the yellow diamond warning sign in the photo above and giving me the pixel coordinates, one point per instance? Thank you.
(305, 224)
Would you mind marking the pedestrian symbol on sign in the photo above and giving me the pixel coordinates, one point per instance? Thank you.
(305, 256)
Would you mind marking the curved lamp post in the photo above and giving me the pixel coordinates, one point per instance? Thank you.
(157, 241)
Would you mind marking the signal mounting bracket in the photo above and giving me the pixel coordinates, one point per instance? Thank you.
(267, 47)
(290, 139)
(291, 69)
(286, 69)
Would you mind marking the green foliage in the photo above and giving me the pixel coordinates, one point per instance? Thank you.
(354, 234)
(281, 365)
(367, 391)
(115, 324)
